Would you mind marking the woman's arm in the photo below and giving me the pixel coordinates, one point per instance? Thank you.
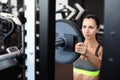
(96, 61)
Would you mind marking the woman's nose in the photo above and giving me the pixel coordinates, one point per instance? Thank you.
(87, 30)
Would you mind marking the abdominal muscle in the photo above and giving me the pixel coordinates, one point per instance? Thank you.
(77, 76)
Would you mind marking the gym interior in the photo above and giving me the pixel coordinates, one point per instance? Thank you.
(29, 38)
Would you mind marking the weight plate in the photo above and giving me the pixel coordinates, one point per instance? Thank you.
(66, 27)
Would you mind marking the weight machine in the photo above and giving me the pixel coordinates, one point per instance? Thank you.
(12, 56)
(39, 47)
(11, 45)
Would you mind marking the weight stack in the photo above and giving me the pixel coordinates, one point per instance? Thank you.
(110, 69)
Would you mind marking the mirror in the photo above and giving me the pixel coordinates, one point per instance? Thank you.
(70, 10)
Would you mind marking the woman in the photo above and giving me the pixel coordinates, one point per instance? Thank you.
(87, 67)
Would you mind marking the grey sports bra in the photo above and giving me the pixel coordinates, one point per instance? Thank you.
(85, 64)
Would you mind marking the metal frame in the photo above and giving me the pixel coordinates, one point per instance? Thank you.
(47, 39)
(30, 39)
(111, 57)
(45, 58)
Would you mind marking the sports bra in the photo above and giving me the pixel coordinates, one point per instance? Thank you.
(85, 64)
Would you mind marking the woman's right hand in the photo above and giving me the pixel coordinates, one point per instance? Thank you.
(80, 48)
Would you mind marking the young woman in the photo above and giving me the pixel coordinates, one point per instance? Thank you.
(87, 67)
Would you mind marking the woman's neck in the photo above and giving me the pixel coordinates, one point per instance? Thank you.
(91, 43)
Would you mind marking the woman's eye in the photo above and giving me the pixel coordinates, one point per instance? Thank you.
(84, 26)
(91, 27)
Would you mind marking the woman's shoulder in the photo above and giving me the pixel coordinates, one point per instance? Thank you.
(98, 49)
(100, 52)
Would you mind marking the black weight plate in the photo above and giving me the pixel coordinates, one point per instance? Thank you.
(65, 27)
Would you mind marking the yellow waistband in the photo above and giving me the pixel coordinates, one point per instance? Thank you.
(85, 72)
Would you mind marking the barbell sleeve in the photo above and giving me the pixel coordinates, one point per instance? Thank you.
(59, 42)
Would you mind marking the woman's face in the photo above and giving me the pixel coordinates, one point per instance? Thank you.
(89, 28)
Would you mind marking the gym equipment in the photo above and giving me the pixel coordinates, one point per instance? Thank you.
(6, 29)
(110, 69)
(10, 41)
(8, 59)
(12, 53)
(67, 34)
(9, 25)
(13, 17)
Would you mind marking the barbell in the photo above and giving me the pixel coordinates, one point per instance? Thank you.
(67, 35)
